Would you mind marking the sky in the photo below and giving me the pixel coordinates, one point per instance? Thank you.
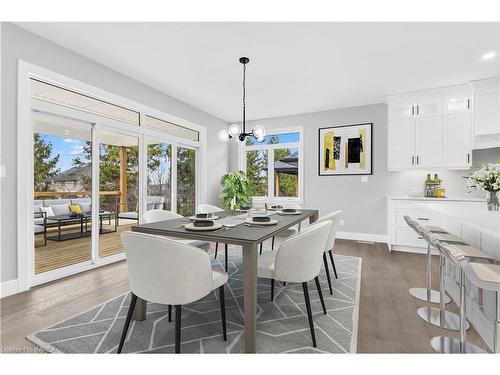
(283, 138)
(66, 147)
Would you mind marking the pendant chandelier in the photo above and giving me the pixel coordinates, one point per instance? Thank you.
(234, 131)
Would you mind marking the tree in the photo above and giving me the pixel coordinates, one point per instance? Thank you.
(186, 175)
(45, 164)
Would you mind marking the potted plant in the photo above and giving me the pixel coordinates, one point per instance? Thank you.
(236, 189)
(487, 178)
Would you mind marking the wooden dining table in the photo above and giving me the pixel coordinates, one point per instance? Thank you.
(248, 237)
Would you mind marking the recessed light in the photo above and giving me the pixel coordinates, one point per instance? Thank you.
(488, 55)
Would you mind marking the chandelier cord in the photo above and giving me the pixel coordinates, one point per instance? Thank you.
(244, 97)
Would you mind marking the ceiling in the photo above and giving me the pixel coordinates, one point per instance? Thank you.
(294, 67)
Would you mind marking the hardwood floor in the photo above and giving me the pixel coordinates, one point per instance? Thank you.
(388, 322)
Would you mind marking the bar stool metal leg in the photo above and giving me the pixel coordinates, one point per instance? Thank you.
(427, 294)
(496, 334)
(440, 317)
(452, 345)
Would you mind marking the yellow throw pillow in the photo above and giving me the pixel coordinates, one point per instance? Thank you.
(75, 208)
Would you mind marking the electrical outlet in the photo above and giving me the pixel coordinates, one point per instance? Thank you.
(341, 222)
(364, 178)
(2, 170)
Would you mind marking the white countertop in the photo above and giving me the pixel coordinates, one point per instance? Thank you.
(473, 215)
(427, 199)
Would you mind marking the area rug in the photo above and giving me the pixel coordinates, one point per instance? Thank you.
(282, 325)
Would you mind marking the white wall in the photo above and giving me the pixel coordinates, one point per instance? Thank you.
(18, 44)
(364, 204)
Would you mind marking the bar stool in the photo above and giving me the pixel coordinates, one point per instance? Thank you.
(439, 316)
(428, 294)
(447, 344)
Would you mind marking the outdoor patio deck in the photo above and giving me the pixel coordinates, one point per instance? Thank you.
(65, 253)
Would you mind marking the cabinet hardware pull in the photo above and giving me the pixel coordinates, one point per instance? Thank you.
(468, 103)
(420, 238)
(412, 110)
(468, 158)
(422, 218)
(417, 159)
(417, 114)
(412, 160)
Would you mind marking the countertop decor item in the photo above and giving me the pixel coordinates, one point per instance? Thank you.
(235, 184)
(234, 131)
(487, 178)
(345, 150)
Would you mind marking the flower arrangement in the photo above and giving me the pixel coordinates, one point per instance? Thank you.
(487, 178)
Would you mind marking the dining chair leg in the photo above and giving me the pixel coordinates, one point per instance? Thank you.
(260, 252)
(133, 300)
(309, 313)
(327, 270)
(318, 286)
(223, 311)
(177, 329)
(226, 252)
(284, 283)
(333, 264)
(216, 248)
(272, 289)
(169, 313)
(272, 244)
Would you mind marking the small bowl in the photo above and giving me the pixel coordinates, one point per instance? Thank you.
(204, 216)
(203, 223)
(261, 219)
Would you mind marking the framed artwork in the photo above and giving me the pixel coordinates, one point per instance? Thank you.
(345, 150)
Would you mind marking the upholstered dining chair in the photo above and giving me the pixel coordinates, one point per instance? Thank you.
(298, 259)
(165, 271)
(335, 218)
(209, 209)
(152, 216)
(286, 232)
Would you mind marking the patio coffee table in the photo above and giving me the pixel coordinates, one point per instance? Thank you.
(64, 220)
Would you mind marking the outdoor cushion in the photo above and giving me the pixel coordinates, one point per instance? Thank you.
(81, 200)
(52, 202)
(48, 210)
(60, 209)
(129, 215)
(75, 208)
(37, 203)
(85, 207)
(39, 229)
(39, 220)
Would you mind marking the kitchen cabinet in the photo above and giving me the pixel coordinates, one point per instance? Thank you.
(430, 129)
(486, 113)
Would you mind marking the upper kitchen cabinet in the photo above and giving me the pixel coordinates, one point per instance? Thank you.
(430, 129)
(486, 113)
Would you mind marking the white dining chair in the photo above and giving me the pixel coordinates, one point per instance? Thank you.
(165, 271)
(210, 209)
(335, 218)
(298, 259)
(286, 232)
(153, 216)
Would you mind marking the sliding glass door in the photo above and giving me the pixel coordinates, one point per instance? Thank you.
(62, 192)
(118, 188)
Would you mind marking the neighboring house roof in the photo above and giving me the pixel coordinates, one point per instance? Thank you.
(287, 165)
(73, 174)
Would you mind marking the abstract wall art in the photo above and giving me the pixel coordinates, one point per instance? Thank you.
(345, 150)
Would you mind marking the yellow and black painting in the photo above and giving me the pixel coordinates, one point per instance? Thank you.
(345, 150)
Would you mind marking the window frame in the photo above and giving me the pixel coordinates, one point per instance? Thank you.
(242, 164)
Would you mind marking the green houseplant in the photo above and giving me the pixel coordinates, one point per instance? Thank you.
(236, 184)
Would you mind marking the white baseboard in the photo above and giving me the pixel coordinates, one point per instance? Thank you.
(8, 288)
(362, 236)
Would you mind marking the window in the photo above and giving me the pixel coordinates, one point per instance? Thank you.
(171, 129)
(274, 167)
(186, 181)
(55, 94)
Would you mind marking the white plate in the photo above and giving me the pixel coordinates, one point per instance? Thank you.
(289, 213)
(193, 218)
(190, 226)
(272, 222)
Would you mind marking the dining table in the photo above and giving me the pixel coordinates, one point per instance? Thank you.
(234, 232)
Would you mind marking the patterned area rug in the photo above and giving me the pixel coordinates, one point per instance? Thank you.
(282, 325)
